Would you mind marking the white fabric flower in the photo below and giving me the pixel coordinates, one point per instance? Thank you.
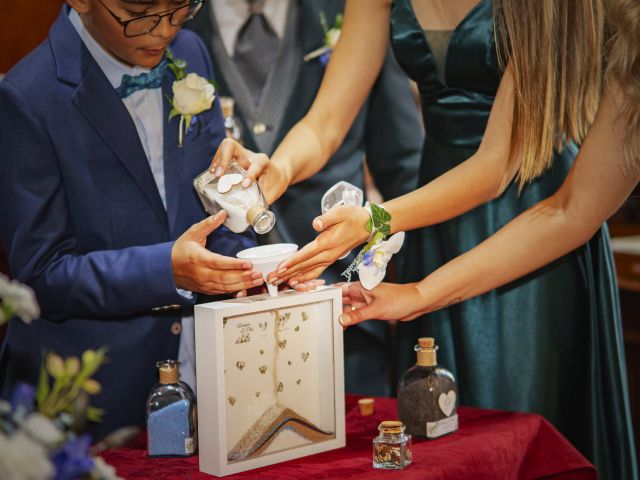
(192, 95)
(19, 298)
(41, 428)
(22, 458)
(373, 267)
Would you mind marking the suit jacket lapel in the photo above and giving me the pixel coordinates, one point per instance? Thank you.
(173, 154)
(98, 101)
(104, 109)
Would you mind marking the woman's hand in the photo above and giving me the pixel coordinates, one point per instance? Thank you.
(272, 179)
(197, 269)
(388, 301)
(341, 229)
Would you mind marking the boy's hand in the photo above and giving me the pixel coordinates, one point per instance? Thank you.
(197, 269)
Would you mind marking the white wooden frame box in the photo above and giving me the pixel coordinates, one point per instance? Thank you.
(270, 379)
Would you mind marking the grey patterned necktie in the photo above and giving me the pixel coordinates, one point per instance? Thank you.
(255, 50)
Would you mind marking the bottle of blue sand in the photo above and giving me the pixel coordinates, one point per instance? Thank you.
(171, 415)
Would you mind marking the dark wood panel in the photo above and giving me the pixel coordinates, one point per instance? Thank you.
(25, 24)
(631, 317)
(626, 223)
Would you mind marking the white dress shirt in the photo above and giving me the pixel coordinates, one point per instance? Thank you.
(231, 15)
(145, 108)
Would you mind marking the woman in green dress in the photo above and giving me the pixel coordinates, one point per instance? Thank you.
(540, 342)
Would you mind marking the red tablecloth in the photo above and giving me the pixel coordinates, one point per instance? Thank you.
(490, 444)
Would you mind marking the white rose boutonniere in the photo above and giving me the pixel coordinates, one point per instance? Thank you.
(192, 95)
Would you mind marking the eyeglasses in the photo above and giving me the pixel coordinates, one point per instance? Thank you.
(145, 24)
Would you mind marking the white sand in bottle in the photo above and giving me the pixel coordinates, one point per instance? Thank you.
(236, 202)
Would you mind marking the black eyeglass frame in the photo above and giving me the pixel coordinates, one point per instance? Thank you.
(159, 16)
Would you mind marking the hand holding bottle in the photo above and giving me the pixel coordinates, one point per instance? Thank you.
(272, 179)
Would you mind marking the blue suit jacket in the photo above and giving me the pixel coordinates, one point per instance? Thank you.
(83, 223)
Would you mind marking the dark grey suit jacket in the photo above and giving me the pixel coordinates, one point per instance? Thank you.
(387, 131)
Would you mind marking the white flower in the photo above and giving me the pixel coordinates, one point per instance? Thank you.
(22, 458)
(332, 37)
(192, 95)
(41, 428)
(17, 299)
(103, 470)
(374, 266)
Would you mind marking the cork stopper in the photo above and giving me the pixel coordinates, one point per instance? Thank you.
(367, 406)
(253, 213)
(426, 352)
(391, 427)
(169, 371)
(227, 104)
(261, 218)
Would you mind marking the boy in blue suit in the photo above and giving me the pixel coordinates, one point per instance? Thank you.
(99, 215)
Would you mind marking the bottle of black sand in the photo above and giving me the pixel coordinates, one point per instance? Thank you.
(427, 395)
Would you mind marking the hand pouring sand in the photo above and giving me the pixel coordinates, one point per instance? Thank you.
(266, 258)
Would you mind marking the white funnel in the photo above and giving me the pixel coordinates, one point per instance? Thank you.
(266, 258)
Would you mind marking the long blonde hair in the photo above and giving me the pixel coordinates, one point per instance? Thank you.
(554, 48)
(623, 56)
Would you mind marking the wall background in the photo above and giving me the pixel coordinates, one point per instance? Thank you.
(23, 25)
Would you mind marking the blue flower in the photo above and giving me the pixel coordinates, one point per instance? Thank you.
(73, 460)
(22, 399)
(324, 58)
(368, 258)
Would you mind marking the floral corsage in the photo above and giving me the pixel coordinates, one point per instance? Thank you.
(331, 37)
(371, 262)
(192, 95)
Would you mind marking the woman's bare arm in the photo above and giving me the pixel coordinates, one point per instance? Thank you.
(475, 181)
(594, 189)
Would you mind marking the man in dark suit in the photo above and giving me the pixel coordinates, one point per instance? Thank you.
(99, 215)
(258, 48)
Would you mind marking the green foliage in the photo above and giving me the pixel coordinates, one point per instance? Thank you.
(177, 66)
(381, 219)
(71, 380)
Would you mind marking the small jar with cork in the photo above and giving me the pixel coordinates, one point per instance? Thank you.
(171, 415)
(392, 447)
(427, 395)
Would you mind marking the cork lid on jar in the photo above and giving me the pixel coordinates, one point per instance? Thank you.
(391, 427)
(169, 371)
(426, 342)
(228, 105)
(426, 352)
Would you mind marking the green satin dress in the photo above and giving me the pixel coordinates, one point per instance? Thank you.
(549, 343)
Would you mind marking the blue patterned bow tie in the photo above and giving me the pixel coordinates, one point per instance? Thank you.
(152, 79)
